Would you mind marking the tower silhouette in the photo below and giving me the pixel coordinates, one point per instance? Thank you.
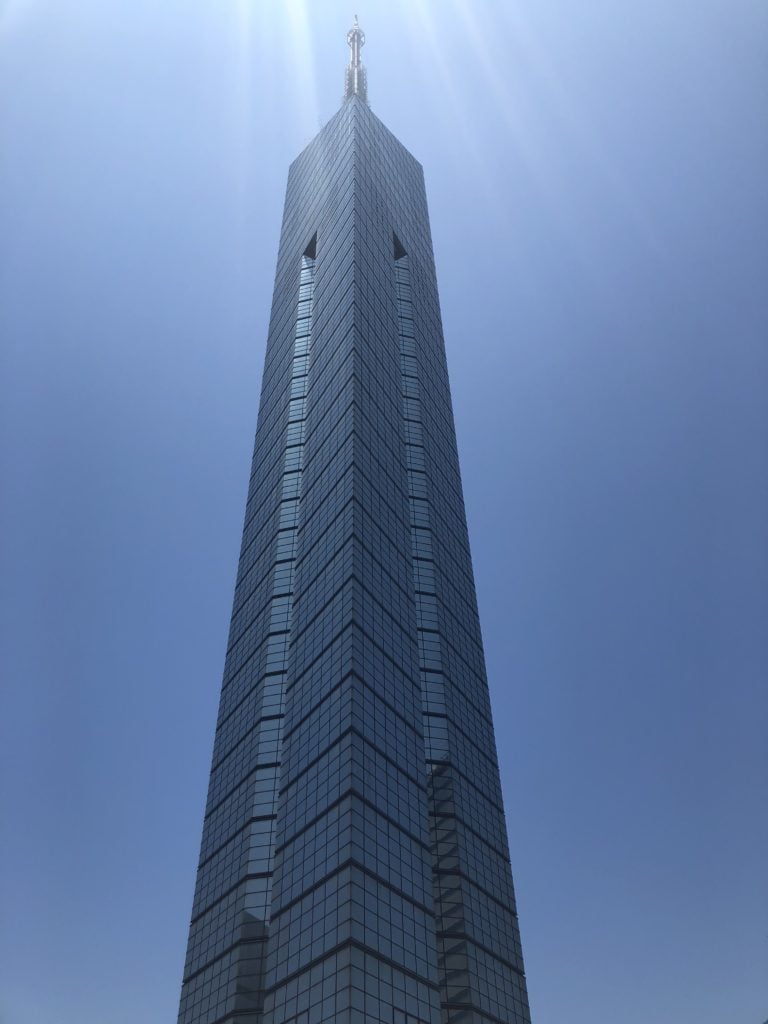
(354, 864)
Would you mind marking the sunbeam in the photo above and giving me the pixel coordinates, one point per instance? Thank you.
(567, 111)
(441, 77)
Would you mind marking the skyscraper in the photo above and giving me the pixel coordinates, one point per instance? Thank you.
(354, 863)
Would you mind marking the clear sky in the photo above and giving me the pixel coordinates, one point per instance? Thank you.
(598, 183)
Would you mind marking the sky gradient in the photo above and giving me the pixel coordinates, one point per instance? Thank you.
(598, 183)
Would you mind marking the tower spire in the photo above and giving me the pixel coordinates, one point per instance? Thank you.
(355, 79)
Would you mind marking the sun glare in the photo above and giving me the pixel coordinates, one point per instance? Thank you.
(11, 11)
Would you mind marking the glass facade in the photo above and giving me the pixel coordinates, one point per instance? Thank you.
(354, 864)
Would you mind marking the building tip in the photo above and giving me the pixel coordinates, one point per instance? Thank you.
(355, 78)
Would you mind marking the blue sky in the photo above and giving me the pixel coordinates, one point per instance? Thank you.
(597, 183)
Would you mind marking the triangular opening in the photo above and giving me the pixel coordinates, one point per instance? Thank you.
(311, 251)
(399, 248)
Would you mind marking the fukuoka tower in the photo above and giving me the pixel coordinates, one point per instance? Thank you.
(354, 865)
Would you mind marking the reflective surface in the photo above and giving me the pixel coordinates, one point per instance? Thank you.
(354, 863)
